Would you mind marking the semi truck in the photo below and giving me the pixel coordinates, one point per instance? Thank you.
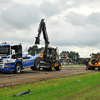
(94, 61)
(11, 58)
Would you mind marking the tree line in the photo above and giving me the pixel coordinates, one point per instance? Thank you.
(34, 49)
(72, 56)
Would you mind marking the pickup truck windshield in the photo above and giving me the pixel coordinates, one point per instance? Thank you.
(5, 50)
(94, 56)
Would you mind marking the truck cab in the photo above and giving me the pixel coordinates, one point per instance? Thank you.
(11, 58)
(8, 55)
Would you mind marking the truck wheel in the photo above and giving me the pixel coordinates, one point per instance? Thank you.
(36, 64)
(51, 67)
(58, 68)
(18, 68)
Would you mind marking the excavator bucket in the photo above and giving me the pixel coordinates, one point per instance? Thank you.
(37, 41)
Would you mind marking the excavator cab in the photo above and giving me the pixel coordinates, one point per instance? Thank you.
(52, 54)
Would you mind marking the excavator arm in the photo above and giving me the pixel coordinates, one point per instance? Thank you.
(42, 27)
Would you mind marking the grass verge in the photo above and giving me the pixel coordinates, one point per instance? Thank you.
(73, 64)
(80, 87)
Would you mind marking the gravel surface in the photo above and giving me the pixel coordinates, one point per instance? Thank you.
(28, 76)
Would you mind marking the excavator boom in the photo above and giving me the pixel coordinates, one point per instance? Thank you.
(42, 28)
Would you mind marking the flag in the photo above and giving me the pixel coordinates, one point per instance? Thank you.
(42, 51)
(66, 56)
(25, 50)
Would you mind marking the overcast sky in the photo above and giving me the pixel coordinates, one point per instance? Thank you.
(72, 25)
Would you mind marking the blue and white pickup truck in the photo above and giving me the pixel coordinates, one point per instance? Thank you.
(11, 59)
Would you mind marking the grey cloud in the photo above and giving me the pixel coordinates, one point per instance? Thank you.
(77, 36)
(76, 19)
(4, 4)
(5, 1)
(82, 20)
(78, 3)
(21, 16)
(49, 9)
(94, 18)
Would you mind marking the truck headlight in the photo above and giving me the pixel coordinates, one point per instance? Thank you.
(7, 66)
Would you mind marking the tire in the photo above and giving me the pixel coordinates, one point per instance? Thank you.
(36, 64)
(98, 68)
(93, 68)
(51, 67)
(18, 68)
(32, 68)
(45, 69)
(0, 71)
(89, 67)
(58, 68)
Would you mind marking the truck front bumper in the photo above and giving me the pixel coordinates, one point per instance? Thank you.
(6, 69)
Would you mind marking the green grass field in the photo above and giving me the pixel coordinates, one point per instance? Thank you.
(73, 64)
(80, 87)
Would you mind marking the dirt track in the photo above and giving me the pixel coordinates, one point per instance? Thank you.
(29, 76)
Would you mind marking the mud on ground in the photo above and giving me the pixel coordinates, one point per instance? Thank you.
(29, 76)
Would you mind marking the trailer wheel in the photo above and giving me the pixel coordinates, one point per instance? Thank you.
(36, 64)
(58, 68)
(17, 68)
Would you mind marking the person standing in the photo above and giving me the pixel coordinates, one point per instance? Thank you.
(87, 65)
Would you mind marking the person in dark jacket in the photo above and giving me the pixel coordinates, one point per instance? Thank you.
(87, 65)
